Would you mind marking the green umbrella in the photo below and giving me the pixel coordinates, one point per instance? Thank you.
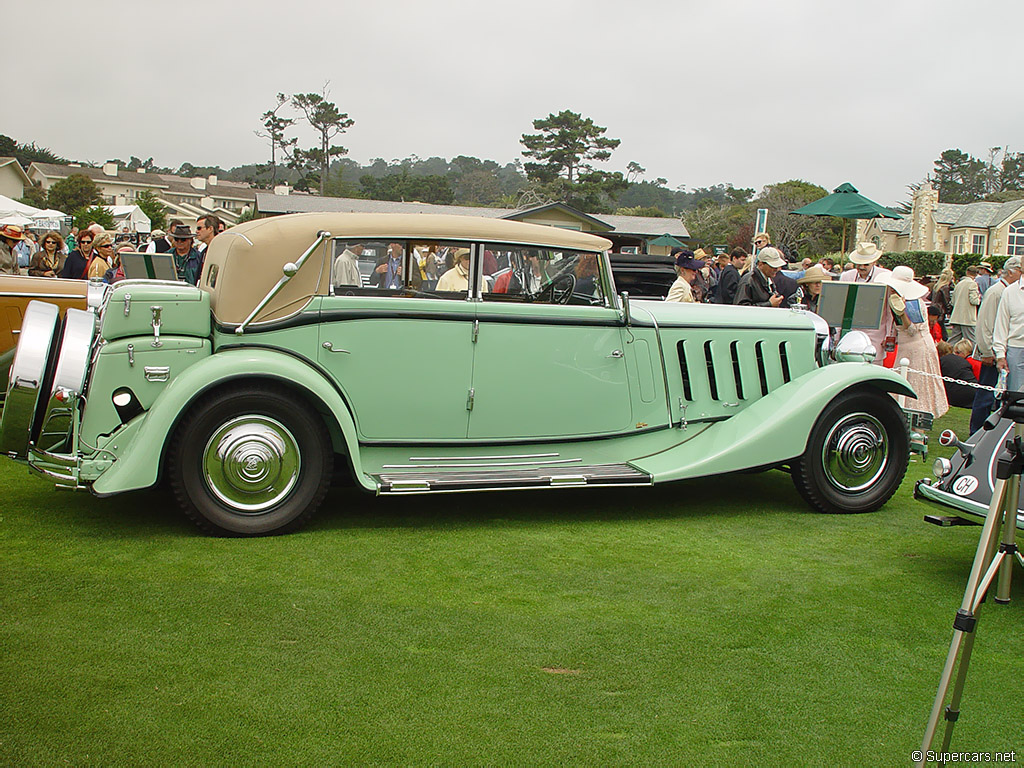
(668, 240)
(847, 203)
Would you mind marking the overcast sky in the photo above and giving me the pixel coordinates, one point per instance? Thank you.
(749, 92)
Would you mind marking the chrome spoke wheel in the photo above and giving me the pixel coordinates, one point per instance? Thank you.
(251, 463)
(855, 452)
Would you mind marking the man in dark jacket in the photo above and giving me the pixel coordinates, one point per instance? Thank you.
(757, 287)
(729, 280)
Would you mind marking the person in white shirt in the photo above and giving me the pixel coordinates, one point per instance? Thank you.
(984, 335)
(1008, 336)
(346, 268)
(866, 270)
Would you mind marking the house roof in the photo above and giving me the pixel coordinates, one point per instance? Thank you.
(645, 226)
(13, 162)
(178, 185)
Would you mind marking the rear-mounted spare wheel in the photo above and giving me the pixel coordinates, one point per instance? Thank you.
(31, 377)
(68, 379)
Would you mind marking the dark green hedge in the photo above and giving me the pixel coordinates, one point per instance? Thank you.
(961, 261)
(922, 262)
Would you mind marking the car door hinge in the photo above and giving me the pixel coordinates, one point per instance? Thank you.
(469, 400)
(682, 416)
(476, 330)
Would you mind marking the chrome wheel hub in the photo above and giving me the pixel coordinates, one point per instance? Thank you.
(855, 452)
(251, 463)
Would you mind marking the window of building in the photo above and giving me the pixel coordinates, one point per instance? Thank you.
(1015, 239)
(978, 244)
(958, 243)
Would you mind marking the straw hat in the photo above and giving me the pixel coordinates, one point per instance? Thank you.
(12, 232)
(901, 280)
(866, 253)
(815, 274)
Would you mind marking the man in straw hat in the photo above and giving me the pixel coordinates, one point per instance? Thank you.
(10, 236)
(866, 270)
(984, 333)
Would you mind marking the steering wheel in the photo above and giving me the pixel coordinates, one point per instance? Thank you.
(559, 290)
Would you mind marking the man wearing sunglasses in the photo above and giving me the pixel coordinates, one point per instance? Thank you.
(77, 261)
(187, 260)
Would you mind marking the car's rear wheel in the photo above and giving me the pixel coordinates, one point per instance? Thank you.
(250, 461)
(857, 454)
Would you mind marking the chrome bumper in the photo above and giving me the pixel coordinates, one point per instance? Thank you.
(63, 469)
(923, 489)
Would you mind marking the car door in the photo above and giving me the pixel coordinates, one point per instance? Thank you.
(545, 369)
(403, 362)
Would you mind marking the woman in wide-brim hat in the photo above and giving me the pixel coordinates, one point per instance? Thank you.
(811, 281)
(905, 299)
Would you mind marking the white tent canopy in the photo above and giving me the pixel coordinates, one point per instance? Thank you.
(13, 212)
(130, 218)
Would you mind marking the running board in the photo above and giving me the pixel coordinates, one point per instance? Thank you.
(510, 479)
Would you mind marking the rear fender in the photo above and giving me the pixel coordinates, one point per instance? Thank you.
(772, 430)
(140, 458)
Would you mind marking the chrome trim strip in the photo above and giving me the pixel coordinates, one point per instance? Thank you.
(495, 464)
(381, 492)
(43, 295)
(482, 458)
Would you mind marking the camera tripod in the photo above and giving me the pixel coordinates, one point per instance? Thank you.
(997, 549)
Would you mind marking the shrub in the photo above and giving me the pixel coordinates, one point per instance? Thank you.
(922, 262)
(86, 215)
(961, 261)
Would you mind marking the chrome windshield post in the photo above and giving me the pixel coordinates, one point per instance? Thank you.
(625, 308)
(290, 270)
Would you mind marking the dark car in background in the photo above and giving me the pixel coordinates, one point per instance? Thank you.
(643, 276)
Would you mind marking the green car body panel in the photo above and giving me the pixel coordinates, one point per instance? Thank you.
(428, 391)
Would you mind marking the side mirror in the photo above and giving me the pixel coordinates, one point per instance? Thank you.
(625, 308)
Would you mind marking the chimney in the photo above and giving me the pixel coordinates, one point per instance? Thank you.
(282, 189)
(110, 169)
(140, 170)
(198, 182)
(211, 180)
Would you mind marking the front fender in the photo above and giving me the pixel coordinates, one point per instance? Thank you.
(770, 431)
(139, 458)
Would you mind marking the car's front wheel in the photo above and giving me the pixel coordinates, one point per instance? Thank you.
(856, 455)
(250, 461)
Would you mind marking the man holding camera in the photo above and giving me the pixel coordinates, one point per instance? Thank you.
(757, 287)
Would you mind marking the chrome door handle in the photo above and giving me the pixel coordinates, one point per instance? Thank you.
(330, 348)
(616, 353)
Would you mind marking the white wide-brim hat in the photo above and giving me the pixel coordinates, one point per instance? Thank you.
(901, 280)
(865, 253)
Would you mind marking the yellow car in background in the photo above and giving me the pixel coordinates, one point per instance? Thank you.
(16, 291)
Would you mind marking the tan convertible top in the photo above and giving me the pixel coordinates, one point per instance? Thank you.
(245, 262)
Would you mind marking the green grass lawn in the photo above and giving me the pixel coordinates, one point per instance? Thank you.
(712, 622)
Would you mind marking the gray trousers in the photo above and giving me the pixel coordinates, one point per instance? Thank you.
(957, 332)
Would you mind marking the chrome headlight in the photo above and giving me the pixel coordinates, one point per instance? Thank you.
(941, 468)
(855, 347)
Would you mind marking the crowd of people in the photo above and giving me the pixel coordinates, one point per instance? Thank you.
(94, 253)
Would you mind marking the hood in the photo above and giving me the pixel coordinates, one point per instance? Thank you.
(670, 314)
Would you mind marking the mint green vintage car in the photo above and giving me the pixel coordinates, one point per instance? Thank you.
(432, 354)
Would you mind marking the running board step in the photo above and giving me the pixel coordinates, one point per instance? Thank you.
(506, 479)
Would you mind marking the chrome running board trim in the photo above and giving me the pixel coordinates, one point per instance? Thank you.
(504, 479)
